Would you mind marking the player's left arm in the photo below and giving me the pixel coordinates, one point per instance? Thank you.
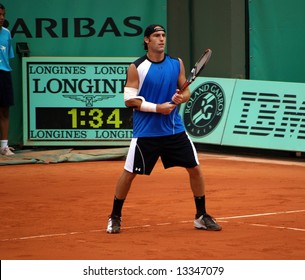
(181, 96)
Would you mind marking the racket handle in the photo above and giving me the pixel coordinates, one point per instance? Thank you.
(185, 85)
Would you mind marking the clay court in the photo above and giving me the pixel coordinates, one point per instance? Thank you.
(59, 211)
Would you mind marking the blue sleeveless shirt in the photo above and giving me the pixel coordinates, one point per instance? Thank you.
(6, 49)
(157, 84)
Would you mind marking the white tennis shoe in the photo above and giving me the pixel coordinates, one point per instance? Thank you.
(114, 224)
(7, 151)
(206, 222)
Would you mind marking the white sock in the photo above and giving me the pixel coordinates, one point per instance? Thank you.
(4, 143)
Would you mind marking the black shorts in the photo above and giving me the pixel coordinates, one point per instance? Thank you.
(6, 89)
(174, 150)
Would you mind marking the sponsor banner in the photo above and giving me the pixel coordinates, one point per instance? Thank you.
(79, 101)
(267, 115)
(205, 114)
(83, 28)
(246, 113)
(75, 100)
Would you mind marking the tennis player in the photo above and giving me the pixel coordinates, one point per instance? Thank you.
(158, 130)
(6, 84)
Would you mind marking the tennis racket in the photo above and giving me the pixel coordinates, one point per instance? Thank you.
(198, 67)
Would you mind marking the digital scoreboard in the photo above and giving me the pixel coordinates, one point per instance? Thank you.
(75, 101)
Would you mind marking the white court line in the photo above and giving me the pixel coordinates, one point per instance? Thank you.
(251, 159)
(44, 236)
(278, 227)
(262, 214)
(266, 214)
(269, 226)
(164, 224)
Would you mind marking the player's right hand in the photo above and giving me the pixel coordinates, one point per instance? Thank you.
(165, 108)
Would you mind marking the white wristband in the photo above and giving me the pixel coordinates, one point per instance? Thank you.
(148, 107)
(130, 93)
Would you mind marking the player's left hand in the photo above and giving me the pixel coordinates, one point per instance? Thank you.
(177, 97)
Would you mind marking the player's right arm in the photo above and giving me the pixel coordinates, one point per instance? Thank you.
(131, 88)
(132, 99)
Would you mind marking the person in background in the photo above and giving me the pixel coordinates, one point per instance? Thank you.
(6, 84)
(152, 89)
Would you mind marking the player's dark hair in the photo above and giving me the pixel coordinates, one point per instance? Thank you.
(151, 29)
(2, 7)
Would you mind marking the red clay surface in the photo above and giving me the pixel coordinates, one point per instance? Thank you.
(59, 211)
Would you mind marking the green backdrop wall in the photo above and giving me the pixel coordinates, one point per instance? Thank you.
(277, 40)
(115, 28)
(108, 28)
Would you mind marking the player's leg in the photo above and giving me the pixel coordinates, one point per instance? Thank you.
(4, 128)
(6, 100)
(123, 184)
(179, 150)
(121, 191)
(4, 122)
(196, 180)
(202, 219)
(141, 158)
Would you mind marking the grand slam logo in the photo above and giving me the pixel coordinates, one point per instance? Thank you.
(203, 111)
